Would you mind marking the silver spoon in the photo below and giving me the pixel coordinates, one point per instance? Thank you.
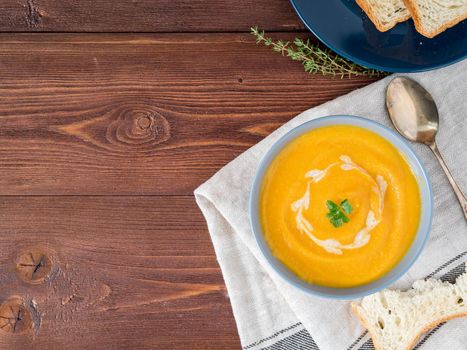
(414, 114)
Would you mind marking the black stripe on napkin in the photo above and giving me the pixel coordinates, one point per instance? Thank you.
(447, 264)
(256, 343)
(301, 340)
(368, 345)
(351, 346)
(428, 335)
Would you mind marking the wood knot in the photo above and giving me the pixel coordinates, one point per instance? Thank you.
(139, 128)
(34, 265)
(34, 15)
(121, 129)
(15, 317)
(144, 122)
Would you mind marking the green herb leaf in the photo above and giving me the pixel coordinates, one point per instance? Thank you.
(337, 222)
(346, 206)
(336, 212)
(332, 206)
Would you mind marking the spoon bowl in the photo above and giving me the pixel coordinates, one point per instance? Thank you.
(415, 116)
(412, 110)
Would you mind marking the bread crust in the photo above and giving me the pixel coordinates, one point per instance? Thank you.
(432, 325)
(374, 19)
(414, 11)
(356, 310)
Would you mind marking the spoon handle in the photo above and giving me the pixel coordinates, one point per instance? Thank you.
(455, 187)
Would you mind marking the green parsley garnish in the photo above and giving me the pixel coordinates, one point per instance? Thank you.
(337, 212)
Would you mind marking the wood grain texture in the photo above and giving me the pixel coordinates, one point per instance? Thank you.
(102, 136)
(146, 15)
(122, 273)
(140, 114)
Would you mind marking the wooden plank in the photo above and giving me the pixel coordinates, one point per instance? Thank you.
(146, 15)
(129, 114)
(111, 272)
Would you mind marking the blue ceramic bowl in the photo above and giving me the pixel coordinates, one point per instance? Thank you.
(421, 235)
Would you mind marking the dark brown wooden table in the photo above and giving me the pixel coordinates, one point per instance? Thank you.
(111, 114)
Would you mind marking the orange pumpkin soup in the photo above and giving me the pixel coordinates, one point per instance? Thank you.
(339, 206)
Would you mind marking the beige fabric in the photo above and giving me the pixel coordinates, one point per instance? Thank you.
(263, 304)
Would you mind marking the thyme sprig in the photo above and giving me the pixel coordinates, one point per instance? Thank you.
(314, 58)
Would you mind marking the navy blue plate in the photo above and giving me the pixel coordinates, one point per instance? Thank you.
(345, 28)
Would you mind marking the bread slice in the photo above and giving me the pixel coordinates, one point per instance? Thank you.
(433, 17)
(395, 319)
(385, 14)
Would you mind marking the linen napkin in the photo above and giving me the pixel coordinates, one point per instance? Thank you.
(271, 314)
